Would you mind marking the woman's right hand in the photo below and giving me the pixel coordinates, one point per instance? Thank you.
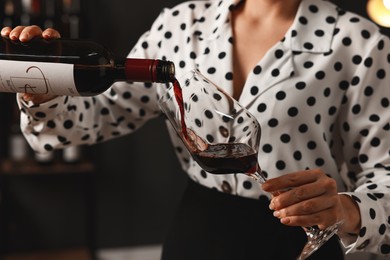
(25, 34)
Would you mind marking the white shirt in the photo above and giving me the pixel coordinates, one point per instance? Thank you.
(321, 95)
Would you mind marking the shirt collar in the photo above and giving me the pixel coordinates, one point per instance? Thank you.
(301, 37)
(313, 27)
(222, 13)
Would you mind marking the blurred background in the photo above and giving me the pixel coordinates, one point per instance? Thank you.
(114, 200)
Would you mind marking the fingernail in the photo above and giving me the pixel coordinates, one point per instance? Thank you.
(46, 35)
(285, 221)
(272, 205)
(26, 98)
(276, 213)
(24, 38)
(12, 36)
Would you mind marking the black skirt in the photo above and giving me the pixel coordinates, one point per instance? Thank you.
(211, 225)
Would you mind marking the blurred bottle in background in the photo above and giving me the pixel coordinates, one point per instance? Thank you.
(63, 15)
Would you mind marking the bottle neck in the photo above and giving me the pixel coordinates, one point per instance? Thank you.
(148, 70)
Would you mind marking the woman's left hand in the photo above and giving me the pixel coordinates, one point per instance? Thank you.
(308, 198)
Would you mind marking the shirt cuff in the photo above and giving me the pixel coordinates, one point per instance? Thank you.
(44, 111)
(372, 218)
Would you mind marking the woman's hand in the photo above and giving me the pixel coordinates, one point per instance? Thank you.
(25, 34)
(310, 198)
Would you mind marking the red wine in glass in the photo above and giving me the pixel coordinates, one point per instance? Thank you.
(227, 158)
(223, 158)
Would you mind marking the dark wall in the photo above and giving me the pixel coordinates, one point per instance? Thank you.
(358, 7)
(139, 179)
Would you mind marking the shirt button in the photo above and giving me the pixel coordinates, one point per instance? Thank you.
(226, 187)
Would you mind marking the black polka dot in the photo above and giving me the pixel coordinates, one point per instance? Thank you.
(267, 148)
(229, 76)
(257, 70)
(320, 75)
(281, 95)
(210, 138)
(362, 232)
(330, 19)
(104, 111)
(193, 55)
(385, 249)
(357, 59)
(303, 20)
(313, 8)
(222, 55)
(279, 54)
(347, 41)
(211, 70)
(247, 185)
(68, 124)
(300, 85)
(385, 102)
(308, 64)
(372, 214)
(311, 101)
(273, 122)
(303, 128)
(275, 72)
(293, 111)
(208, 114)
(285, 138)
(254, 90)
(382, 229)
(51, 124)
(319, 33)
(280, 165)
(381, 74)
(261, 107)
(40, 114)
(338, 66)
(48, 147)
(308, 45)
(297, 155)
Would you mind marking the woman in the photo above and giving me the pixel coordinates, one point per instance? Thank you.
(316, 78)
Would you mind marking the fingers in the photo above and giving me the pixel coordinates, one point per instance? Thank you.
(308, 198)
(311, 212)
(322, 187)
(37, 98)
(26, 33)
(51, 34)
(5, 31)
(292, 180)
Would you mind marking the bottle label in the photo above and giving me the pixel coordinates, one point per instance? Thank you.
(37, 78)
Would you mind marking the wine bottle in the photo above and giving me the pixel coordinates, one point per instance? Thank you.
(18, 146)
(71, 67)
(71, 154)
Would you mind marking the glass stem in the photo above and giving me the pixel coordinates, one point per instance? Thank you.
(258, 175)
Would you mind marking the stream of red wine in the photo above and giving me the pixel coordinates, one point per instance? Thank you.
(179, 99)
(222, 158)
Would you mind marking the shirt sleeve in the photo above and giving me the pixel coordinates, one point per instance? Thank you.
(122, 109)
(365, 133)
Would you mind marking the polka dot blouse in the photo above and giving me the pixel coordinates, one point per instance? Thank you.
(321, 95)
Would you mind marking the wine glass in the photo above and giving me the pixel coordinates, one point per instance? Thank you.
(222, 136)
